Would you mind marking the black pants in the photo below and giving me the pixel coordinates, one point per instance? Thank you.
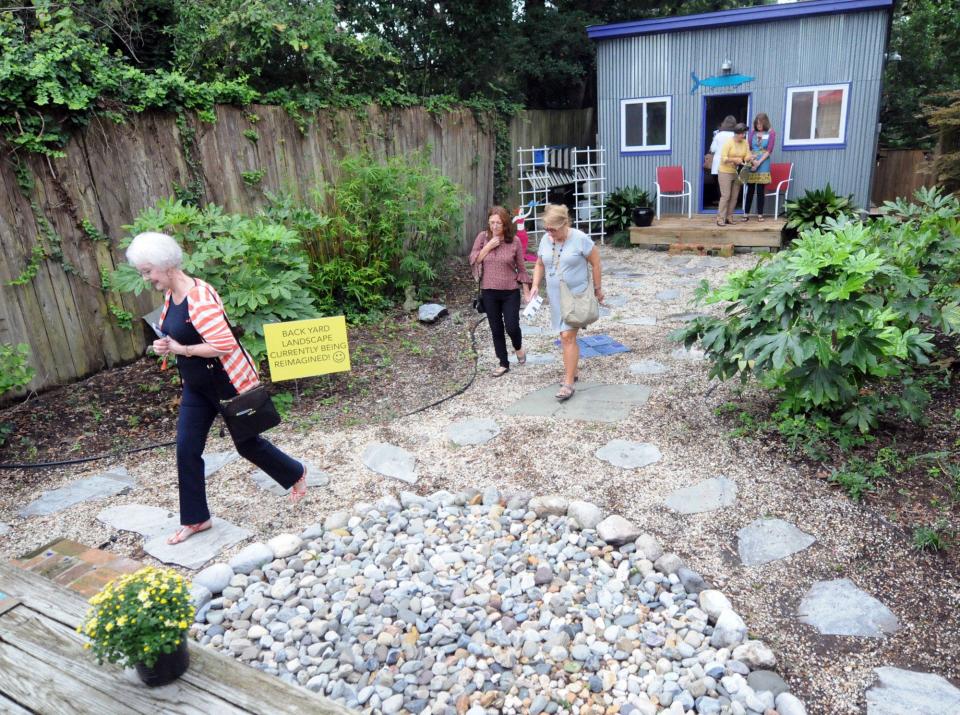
(758, 189)
(198, 408)
(503, 311)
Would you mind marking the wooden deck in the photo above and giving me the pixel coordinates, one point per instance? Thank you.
(702, 228)
(45, 669)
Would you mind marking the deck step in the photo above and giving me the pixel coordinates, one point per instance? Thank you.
(703, 229)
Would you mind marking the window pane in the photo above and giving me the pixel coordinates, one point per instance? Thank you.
(656, 123)
(633, 121)
(829, 104)
(801, 113)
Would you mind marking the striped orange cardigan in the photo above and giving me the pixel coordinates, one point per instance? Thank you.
(207, 315)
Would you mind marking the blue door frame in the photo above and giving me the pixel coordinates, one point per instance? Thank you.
(703, 140)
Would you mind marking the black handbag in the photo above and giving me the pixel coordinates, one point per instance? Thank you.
(478, 299)
(251, 412)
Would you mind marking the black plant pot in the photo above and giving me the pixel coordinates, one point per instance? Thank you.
(169, 666)
(642, 216)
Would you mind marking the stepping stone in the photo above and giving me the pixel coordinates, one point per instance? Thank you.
(715, 262)
(898, 692)
(598, 346)
(4, 528)
(629, 455)
(686, 317)
(668, 295)
(604, 312)
(692, 354)
(391, 461)
(430, 312)
(766, 540)
(678, 260)
(315, 478)
(149, 521)
(535, 358)
(199, 548)
(101, 486)
(531, 330)
(217, 461)
(839, 608)
(470, 432)
(684, 282)
(633, 284)
(708, 495)
(647, 367)
(642, 320)
(616, 301)
(593, 402)
(692, 270)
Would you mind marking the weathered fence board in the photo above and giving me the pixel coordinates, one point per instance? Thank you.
(900, 172)
(112, 172)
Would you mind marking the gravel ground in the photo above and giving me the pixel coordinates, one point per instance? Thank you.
(829, 673)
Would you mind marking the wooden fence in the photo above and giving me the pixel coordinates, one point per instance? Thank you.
(111, 172)
(900, 172)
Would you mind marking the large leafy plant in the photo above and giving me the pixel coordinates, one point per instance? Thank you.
(840, 322)
(816, 207)
(620, 203)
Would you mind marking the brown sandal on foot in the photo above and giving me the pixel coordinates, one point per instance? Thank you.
(499, 371)
(565, 393)
(188, 530)
(299, 489)
(521, 356)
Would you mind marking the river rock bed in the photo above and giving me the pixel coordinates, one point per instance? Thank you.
(477, 603)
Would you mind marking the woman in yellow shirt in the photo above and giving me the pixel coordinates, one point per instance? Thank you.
(735, 153)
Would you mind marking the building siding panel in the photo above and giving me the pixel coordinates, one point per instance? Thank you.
(802, 51)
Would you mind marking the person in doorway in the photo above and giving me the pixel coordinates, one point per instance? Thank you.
(761, 140)
(498, 258)
(213, 366)
(721, 137)
(570, 255)
(735, 153)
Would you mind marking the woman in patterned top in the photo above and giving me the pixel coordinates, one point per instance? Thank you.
(500, 258)
(212, 368)
(762, 139)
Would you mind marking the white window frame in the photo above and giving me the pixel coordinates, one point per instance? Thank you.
(644, 148)
(815, 141)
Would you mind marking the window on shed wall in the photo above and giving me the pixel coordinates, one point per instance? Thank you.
(645, 124)
(816, 115)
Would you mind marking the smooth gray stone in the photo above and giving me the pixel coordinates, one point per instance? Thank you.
(839, 608)
(789, 704)
(641, 320)
(391, 461)
(766, 540)
(629, 455)
(668, 295)
(604, 312)
(534, 358)
(532, 330)
(586, 514)
(692, 270)
(693, 354)
(429, 312)
(315, 478)
(616, 301)
(767, 680)
(200, 596)
(678, 260)
(686, 317)
(149, 521)
(89, 489)
(898, 692)
(708, 495)
(218, 460)
(251, 557)
(469, 432)
(4, 528)
(616, 530)
(214, 578)
(648, 367)
(592, 401)
(199, 548)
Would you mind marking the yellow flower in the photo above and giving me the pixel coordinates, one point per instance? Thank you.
(108, 627)
(143, 595)
(183, 624)
(122, 621)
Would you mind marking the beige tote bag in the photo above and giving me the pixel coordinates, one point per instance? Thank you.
(578, 310)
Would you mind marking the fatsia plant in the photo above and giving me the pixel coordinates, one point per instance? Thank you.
(816, 207)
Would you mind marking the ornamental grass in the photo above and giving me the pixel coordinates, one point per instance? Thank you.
(137, 617)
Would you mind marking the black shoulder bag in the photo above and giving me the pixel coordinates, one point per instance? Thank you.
(478, 299)
(251, 412)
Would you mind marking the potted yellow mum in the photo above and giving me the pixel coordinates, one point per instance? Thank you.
(140, 620)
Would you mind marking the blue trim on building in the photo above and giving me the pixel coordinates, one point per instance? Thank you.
(808, 147)
(646, 152)
(652, 152)
(704, 147)
(739, 16)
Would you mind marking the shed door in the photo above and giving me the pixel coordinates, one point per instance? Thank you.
(715, 108)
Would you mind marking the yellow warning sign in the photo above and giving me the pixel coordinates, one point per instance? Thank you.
(303, 348)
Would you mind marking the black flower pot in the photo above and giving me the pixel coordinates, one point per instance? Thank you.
(642, 216)
(169, 666)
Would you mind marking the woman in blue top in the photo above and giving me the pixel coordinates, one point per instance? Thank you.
(762, 139)
(570, 254)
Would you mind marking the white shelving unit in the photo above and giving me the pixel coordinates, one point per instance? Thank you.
(544, 168)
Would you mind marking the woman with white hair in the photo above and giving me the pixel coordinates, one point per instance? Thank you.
(213, 367)
(569, 254)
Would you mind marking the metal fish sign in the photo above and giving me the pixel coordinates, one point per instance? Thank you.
(724, 80)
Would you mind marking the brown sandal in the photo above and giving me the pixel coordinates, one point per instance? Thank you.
(188, 530)
(299, 489)
(499, 371)
(565, 393)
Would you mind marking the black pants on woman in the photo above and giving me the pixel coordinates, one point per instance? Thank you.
(760, 190)
(503, 311)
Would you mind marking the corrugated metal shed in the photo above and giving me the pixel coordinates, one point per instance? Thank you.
(809, 48)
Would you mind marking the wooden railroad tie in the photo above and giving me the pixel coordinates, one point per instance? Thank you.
(724, 250)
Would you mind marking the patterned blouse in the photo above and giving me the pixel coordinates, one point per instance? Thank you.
(503, 267)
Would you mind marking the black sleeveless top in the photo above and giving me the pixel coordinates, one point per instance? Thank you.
(199, 372)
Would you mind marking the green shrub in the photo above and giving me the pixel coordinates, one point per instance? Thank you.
(15, 370)
(621, 239)
(839, 315)
(616, 213)
(259, 266)
(814, 208)
(931, 538)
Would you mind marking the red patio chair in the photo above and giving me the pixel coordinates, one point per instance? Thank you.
(671, 185)
(781, 176)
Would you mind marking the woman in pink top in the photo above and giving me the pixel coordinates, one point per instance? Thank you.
(498, 259)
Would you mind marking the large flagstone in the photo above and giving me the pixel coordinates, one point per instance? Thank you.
(593, 401)
(898, 692)
(391, 461)
(629, 455)
(472, 432)
(215, 461)
(766, 540)
(315, 478)
(149, 521)
(101, 486)
(708, 495)
(199, 548)
(839, 608)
